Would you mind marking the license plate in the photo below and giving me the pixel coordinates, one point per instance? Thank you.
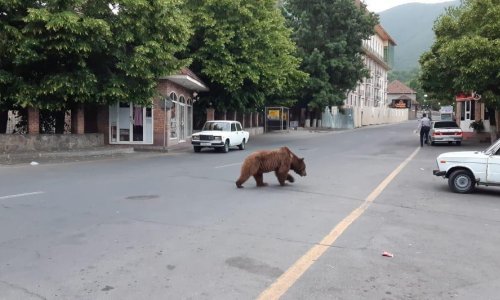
(205, 144)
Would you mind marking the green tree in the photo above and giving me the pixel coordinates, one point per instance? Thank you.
(61, 52)
(329, 35)
(243, 51)
(404, 76)
(466, 54)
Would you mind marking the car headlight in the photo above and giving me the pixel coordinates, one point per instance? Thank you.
(218, 138)
(196, 137)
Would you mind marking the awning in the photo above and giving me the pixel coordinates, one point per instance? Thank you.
(188, 82)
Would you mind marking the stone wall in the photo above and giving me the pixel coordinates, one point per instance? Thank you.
(379, 115)
(255, 130)
(48, 142)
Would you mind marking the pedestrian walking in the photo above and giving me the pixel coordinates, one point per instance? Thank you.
(424, 126)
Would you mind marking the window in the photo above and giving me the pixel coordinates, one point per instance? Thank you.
(468, 110)
(173, 96)
(173, 116)
(233, 127)
(238, 126)
(447, 124)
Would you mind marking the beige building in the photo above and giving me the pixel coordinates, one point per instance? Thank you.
(400, 96)
(368, 101)
(379, 52)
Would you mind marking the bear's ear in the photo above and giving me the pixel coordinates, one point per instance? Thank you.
(302, 159)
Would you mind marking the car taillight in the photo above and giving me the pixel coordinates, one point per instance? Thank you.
(458, 133)
(436, 133)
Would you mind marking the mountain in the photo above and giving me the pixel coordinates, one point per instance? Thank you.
(410, 25)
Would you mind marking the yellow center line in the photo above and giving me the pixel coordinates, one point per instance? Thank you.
(288, 279)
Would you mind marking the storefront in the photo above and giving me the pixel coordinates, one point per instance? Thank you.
(181, 118)
(166, 122)
(130, 124)
(470, 109)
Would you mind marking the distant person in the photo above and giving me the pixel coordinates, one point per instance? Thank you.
(424, 126)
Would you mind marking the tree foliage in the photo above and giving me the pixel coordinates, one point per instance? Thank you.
(57, 53)
(243, 51)
(466, 54)
(329, 35)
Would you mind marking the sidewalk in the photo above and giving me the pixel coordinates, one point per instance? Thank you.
(64, 156)
(116, 151)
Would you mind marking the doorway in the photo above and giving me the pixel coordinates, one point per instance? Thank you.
(130, 124)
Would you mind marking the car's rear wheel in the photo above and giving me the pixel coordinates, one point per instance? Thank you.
(459, 143)
(225, 149)
(242, 145)
(197, 149)
(462, 182)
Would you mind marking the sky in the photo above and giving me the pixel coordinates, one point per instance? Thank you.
(381, 5)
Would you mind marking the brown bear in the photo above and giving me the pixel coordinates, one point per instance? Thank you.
(280, 161)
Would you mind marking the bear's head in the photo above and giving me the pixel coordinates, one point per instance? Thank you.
(298, 166)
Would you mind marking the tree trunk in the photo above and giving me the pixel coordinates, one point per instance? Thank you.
(4, 118)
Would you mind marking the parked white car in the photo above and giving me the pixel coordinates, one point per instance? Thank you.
(466, 169)
(221, 135)
(445, 132)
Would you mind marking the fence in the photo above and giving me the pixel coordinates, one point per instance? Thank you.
(352, 117)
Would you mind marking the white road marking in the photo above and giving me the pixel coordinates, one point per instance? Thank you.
(295, 272)
(230, 165)
(20, 195)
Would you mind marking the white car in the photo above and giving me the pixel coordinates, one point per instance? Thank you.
(445, 132)
(466, 169)
(220, 135)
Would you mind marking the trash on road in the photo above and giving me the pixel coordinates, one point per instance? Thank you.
(387, 254)
(34, 163)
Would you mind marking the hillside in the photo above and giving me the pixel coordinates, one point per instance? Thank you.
(410, 25)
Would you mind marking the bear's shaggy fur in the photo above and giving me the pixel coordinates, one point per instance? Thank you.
(280, 161)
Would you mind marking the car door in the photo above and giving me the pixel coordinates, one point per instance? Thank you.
(493, 171)
(235, 138)
(241, 133)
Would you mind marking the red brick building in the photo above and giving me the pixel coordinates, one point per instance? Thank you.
(125, 123)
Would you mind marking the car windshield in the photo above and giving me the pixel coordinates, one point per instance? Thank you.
(448, 124)
(217, 126)
(492, 147)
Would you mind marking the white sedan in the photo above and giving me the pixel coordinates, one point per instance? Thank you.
(466, 169)
(445, 132)
(220, 134)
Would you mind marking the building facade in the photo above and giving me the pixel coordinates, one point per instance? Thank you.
(400, 96)
(368, 100)
(378, 57)
(165, 122)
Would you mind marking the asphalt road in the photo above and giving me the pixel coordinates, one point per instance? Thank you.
(174, 226)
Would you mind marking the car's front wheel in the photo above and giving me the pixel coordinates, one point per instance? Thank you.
(461, 181)
(197, 149)
(242, 145)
